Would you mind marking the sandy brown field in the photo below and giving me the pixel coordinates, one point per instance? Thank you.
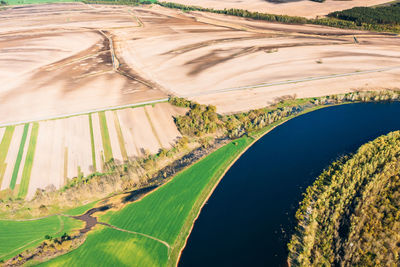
(59, 59)
(303, 8)
(56, 59)
(213, 58)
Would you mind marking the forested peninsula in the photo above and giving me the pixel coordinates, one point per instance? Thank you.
(350, 216)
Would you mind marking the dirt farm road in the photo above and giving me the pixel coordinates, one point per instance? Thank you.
(86, 112)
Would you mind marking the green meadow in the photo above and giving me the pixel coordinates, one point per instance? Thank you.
(17, 236)
(164, 216)
(26, 173)
(4, 146)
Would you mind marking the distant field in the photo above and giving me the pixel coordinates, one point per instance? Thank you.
(22, 2)
(166, 214)
(17, 236)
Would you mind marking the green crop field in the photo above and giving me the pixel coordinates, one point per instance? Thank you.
(109, 247)
(92, 142)
(105, 137)
(165, 215)
(4, 146)
(17, 236)
(19, 157)
(121, 140)
(81, 209)
(26, 173)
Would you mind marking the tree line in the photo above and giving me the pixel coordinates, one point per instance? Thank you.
(389, 15)
(331, 21)
(203, 120)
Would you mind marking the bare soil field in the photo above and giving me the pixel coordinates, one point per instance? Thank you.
(71, 58)
(58, 58)
(302, 8)
(211, 57)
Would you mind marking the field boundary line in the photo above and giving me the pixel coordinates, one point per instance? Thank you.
(105, 137)
(30, 156)
(153, 129)
(18, 160)
(136, 233)
(4, 147)
(86, 112)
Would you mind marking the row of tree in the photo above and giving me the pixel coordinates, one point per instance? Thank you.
(331, 21)
(350, 215)
(203, 120)
(385, 20)
(370, 15)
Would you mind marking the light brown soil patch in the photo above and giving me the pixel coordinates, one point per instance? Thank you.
(303, 8)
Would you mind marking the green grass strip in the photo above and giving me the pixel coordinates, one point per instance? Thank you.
(18, 236)
(92, 143)
(19, 157)
(4, 146)
(26, 173)
(65, 165)
(152, 127)
(105, 137)
(120, 136)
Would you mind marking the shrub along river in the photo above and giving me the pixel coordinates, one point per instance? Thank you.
(249, 218)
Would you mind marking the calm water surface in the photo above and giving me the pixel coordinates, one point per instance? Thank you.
(250, 217)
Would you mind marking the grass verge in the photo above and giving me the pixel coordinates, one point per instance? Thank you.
(152, 127)
(19, 157)
(4, 146)
(92, 143)
(17, 236)
(26, 173)
(105, 137)
(121, 140)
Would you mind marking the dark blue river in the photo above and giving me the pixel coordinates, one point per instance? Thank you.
(250, 217)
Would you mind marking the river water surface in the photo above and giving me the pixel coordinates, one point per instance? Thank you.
(250, 216)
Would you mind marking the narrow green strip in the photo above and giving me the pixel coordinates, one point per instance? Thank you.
(65, 165)
(26, 173)
(120, 136)
(152, 127)
(92, 142)
(105, 137)
(19, 157)
(4, 146)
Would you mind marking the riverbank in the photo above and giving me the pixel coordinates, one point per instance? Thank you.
(207, 193)
(168, 214)
(250, 214)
